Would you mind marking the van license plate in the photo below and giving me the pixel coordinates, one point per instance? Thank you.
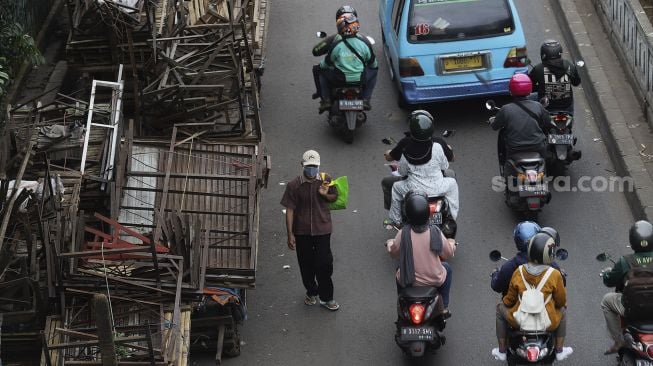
(350, 104)
(452, 64)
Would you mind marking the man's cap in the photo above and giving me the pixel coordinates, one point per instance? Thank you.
(311, 157)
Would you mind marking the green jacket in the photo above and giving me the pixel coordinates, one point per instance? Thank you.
(344, 59)
(616, 276)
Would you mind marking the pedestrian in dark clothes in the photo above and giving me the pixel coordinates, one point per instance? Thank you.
(308, 222)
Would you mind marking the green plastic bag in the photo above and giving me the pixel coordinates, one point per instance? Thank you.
(342, 185)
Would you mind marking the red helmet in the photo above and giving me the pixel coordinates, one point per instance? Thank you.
(520, 85)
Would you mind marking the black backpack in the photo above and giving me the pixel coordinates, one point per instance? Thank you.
(638, 291)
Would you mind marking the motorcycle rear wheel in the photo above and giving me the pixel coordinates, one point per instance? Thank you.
(348, 135)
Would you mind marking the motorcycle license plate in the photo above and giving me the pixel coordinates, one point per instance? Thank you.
(417, 333)
(350, 104)
(532, 190)
(643, 363)
(566, 139)
(436, 218)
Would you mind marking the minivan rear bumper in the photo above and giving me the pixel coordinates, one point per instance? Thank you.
(433, 93)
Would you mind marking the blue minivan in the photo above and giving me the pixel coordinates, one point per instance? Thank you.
(451, 49)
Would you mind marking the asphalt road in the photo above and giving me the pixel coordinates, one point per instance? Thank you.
(281, 330)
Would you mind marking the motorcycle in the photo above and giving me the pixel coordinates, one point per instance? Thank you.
(347, 110)
(420, 320)
(559, 136)
(638, 336)
(525, 347)
(526, 184)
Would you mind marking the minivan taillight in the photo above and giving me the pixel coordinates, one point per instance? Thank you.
(409, 66)
(516, 57)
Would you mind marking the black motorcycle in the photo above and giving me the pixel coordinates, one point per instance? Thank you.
(638, 336)
(420, 320)
(530, 347)
(526, 185)
(347, 111)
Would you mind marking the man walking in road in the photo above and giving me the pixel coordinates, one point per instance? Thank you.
(308, 222)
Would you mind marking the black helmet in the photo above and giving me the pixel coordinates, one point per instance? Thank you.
(641, 236)
(416, 207)
(346, 9)
(541, 249)
(553, 233)
(421, 125)
(550, 50)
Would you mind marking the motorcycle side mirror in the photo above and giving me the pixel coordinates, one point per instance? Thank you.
(580, 63)
(495, 256)
(602, 257)
(370, 39)
(321, 34)
(562, 254)
(490, 105)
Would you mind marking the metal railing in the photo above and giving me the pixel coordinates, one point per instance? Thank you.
(632, 34)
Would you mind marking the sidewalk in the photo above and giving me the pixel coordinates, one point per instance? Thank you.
(616, 107)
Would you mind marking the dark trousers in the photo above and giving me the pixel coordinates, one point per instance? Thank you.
(386, 185)
(316, 264)
(327, 79)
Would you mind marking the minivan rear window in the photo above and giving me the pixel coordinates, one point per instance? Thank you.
(448, 20)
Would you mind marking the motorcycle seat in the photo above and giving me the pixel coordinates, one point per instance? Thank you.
(642, 326)
(527, 157)
(419, 292)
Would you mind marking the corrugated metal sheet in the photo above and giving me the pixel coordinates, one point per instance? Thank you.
(214, 183)
(144, 159)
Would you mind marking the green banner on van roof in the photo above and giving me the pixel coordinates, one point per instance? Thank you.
(436, 2)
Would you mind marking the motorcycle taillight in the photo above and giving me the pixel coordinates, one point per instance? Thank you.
(416, 313)
(649, 351)
(435, 207)
(349, 94)
(533, 354)
(561, 117)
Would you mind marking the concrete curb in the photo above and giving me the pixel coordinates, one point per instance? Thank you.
(620, 145)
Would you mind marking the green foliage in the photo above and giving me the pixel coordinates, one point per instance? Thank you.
(16, 47)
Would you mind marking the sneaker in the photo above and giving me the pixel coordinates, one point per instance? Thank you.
(566, 352)
(315, 95)
(325, 105)
(331, 305)
(499, 356)
(310, 300)
(366, 104)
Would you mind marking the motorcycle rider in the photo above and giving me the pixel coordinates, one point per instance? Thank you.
(424, 172)
(522, 234)
(554, 77)
(641, 242)
(422, 249)
(541, 253)
(414, 151)
(520, 122)
(349, 59)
